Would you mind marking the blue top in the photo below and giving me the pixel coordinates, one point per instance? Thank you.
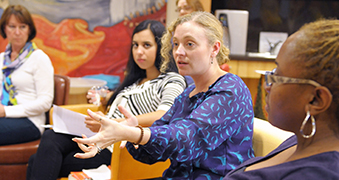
(320, 166)
(204, 136)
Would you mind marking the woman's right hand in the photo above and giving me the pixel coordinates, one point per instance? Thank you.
(98, 96)
(92, 124)
(92, 96)
(109, 133)
(130, 120)
(2, 111)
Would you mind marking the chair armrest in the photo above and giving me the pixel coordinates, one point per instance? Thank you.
(80, 108)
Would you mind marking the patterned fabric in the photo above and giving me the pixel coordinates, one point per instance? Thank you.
(320, 166)
(153, 95)
(204, 136)
(9, 92)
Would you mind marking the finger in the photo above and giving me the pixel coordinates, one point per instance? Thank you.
(89, 126)
(86, 155)
(97, 117)
(88, 118)
(91, 122)
(85, 140)
(125, 112)
(123, 144)
(100, 113)
(83, 147)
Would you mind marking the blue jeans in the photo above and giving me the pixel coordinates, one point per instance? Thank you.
(17, 130)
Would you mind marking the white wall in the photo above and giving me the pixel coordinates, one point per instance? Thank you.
(170, 12)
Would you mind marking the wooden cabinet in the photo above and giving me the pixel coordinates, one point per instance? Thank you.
(246, 70)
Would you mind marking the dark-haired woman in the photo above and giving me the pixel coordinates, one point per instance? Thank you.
(146, 92)
(26, 79)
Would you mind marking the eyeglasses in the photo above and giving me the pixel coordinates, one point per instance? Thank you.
(185, 8)
(23, 27)
(270, 78)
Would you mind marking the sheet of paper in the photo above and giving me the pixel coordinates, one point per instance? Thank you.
(100, 173)
(69, 122)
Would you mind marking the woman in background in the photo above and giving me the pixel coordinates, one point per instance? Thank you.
(188, 6)
(145, 91)
(27, 78)
(208, 130)
(302, 97)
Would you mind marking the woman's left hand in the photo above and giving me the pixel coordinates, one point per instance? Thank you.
(2, 111)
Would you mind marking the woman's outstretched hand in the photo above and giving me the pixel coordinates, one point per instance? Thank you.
(92, 124)
(130, 120)
(109, 133)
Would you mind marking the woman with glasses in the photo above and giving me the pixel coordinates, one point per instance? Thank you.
(27, 79)
(303, 97)
(188, 6)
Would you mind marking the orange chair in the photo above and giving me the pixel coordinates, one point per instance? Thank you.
(124, 166)
(14, 158)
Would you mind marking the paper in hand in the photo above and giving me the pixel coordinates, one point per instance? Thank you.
(69, 122)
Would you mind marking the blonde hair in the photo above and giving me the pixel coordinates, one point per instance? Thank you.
(213, 30)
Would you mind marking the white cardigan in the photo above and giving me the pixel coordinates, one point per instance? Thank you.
(34, 83)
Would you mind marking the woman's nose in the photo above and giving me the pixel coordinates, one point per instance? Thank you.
(140, 50)
(180, 50)
(17, 30)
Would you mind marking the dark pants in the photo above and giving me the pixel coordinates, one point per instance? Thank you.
(54, 158)
(17, 130)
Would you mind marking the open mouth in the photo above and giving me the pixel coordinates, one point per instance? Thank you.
(180, 62)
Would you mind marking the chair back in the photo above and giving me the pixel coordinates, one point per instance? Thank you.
(124, 166)
(267, 137)
(62, 85)
(14, 157)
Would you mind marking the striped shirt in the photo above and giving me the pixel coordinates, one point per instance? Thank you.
(153, 95)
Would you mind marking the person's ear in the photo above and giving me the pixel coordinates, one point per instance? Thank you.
(216, 48)
(321, 100)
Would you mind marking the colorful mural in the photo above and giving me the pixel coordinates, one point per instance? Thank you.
(86, 37)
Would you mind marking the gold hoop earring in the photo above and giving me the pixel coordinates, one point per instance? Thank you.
(304, 123)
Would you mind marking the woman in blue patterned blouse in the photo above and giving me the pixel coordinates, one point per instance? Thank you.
(208, 130)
